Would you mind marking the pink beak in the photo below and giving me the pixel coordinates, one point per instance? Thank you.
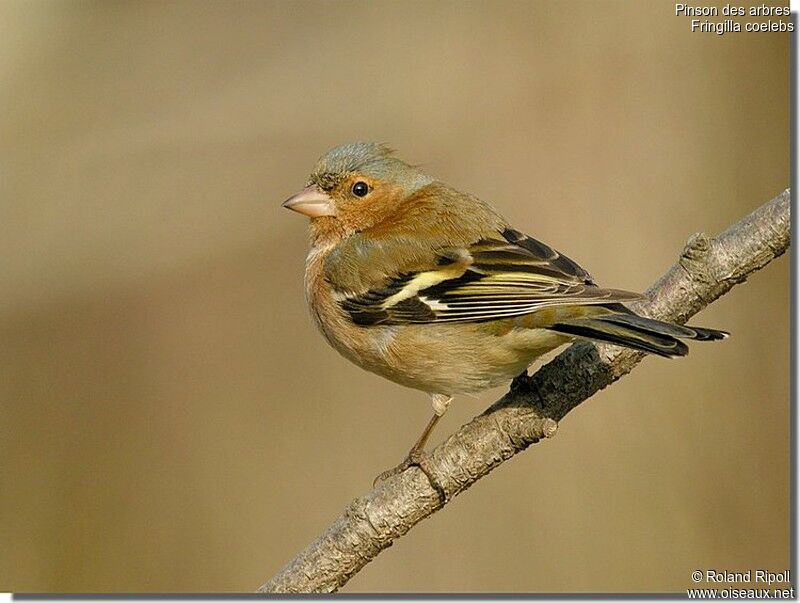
(311, 202)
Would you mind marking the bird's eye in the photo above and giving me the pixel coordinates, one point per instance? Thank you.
(360, 189)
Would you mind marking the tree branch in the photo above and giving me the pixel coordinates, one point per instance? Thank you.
(530, 411)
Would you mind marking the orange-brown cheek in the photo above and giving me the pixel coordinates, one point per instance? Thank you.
(360, 214)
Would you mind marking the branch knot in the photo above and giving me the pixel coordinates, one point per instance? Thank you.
(696, 248)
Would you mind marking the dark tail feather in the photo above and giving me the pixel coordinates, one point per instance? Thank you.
(665, 328)
(639, 333)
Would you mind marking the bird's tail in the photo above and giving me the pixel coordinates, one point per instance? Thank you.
(634, 331)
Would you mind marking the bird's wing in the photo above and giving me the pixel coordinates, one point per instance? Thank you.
(493, 278)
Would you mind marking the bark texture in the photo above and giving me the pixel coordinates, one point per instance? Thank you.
(707, 269)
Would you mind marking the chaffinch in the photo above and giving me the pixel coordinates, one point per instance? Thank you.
(431, 288)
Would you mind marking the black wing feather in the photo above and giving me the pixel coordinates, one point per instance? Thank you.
(504, 277)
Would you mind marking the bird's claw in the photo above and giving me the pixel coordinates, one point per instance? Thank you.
(417, 458)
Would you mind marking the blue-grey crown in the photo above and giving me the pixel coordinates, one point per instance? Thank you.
(370, 158)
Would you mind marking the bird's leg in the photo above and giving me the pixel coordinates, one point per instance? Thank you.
(417, 457)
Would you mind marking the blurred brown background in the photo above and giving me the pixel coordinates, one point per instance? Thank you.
(171, 420)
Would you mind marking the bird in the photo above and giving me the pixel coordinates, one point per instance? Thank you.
(432, 288)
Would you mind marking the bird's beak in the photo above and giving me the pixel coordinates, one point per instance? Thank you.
(311, 202)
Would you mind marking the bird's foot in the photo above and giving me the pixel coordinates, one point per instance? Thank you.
(417, 458)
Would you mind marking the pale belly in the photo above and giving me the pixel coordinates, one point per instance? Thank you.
(446, 359)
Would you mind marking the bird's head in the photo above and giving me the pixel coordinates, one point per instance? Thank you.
(354, 187)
